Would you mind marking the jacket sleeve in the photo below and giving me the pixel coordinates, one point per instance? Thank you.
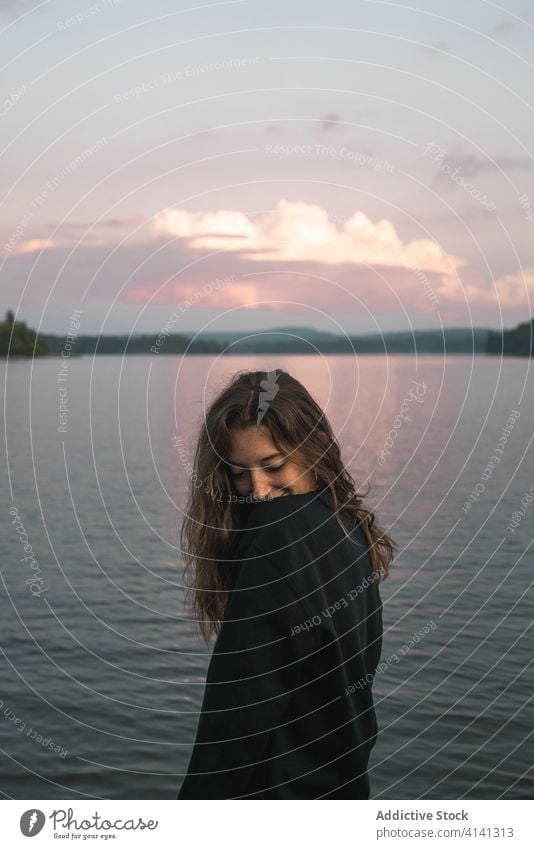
(255, 667)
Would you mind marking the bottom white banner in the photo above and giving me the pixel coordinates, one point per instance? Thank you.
(235, 823)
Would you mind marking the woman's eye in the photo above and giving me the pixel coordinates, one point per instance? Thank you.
(275, 468)
(267, 469)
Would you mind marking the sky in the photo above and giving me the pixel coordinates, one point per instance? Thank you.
(352, 166)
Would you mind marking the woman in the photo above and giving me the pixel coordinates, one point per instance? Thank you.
(286, 563)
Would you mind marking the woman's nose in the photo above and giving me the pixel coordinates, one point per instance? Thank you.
(259, 483)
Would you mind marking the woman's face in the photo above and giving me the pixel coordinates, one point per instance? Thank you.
(259, 470)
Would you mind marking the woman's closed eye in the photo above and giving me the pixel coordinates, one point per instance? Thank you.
(267, 469)
(274, 468)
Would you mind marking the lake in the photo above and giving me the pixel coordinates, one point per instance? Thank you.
(102, 671)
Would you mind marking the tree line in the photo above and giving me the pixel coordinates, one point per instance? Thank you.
(17, 339)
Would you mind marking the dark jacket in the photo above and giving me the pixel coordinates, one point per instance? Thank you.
(288, 710)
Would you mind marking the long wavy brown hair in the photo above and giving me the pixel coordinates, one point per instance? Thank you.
(296, 423)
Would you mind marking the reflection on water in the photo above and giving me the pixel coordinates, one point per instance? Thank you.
(106, 666)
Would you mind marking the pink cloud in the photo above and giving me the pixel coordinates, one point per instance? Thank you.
(329, 121)
(302, 232)
(289, 259)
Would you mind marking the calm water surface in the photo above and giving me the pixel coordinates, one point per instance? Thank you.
(104, 664)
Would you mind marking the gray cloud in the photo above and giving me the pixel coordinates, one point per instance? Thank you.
(329, 121)
(84, 226)
(503, 27)
(471, 165)
(439, 47)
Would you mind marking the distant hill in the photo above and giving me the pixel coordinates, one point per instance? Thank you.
(517, 342)
(452, 341)
(138, 344)
(18, 340)
(282, 333)
(295, 340)
(277, 340)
